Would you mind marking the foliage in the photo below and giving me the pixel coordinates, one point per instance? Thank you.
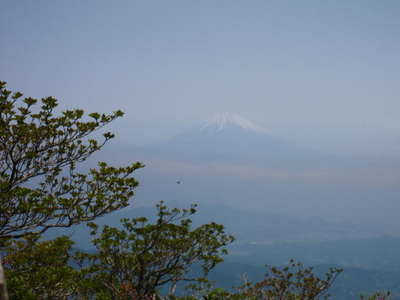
(40, 270)
(41, 148)
(292, 282)
(142, 256)
(377, 296)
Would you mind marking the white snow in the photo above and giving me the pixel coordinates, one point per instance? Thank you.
(225, 120)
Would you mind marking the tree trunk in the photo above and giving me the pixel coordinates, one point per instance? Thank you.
(3, 287)
(172, 288)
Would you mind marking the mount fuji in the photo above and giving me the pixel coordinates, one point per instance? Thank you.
(230, 161)
(227, 120)
(230, 138)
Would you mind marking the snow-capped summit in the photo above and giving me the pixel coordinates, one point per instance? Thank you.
(226, 120)
(230, 138)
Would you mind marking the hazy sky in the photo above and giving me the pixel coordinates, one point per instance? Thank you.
(323, 71)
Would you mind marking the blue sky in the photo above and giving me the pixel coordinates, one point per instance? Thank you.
(324, 72)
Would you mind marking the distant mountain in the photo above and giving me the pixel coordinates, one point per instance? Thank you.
(230, 138)
(226, 120)
(231, 161)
